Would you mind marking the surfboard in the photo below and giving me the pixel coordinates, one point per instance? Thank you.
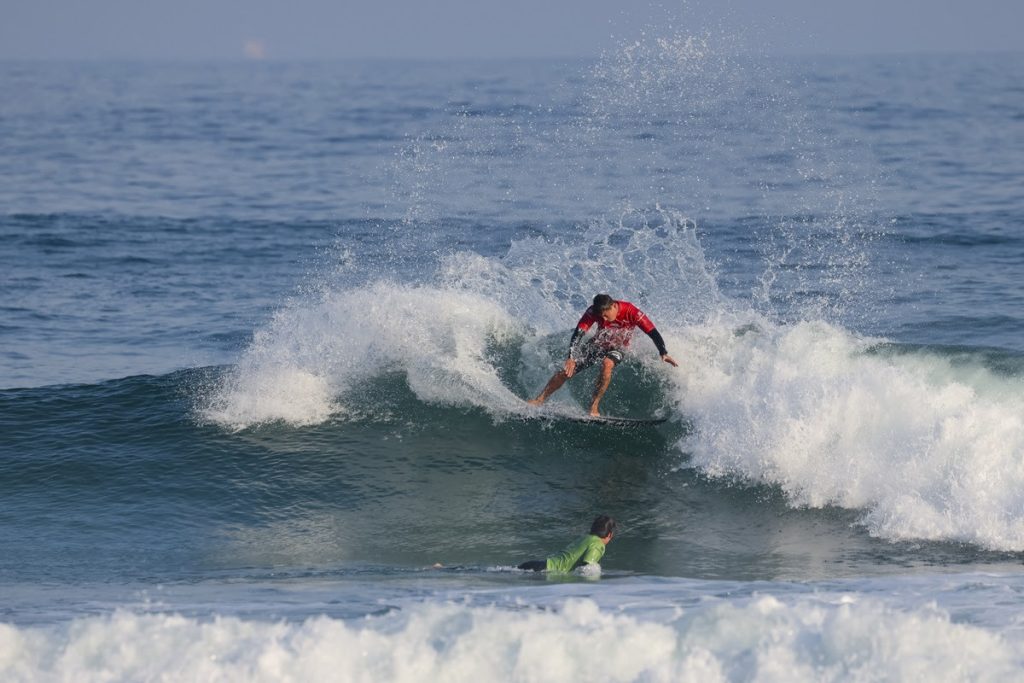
(608, 420)
(620, 421)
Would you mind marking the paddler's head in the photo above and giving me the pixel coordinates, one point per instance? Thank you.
(603, 527)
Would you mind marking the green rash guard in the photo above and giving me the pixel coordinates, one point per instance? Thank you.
(587, 550)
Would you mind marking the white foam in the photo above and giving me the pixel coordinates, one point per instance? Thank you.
(299, 367)
(764, 638)
(928, 450)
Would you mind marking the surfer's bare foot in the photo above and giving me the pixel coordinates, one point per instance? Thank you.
(594, 413)
(534, 401)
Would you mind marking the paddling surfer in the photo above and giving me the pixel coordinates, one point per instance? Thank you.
(615, 321)
(587, 550)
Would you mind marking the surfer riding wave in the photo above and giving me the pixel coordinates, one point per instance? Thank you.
(615, 321)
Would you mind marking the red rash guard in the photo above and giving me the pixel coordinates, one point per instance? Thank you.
(618, 332)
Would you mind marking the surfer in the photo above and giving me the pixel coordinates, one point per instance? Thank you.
(615, 321)
(588, 549)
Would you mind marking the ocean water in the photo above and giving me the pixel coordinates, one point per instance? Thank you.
(267, 327)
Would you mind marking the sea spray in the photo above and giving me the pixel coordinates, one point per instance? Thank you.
(652, 257)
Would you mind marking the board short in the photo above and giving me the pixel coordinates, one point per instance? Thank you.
(593, 353)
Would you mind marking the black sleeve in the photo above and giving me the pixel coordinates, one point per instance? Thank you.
(574, 343)
(658, 341)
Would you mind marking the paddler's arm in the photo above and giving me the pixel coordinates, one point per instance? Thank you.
(660, 343)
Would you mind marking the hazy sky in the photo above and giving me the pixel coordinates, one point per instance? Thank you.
(203, 29)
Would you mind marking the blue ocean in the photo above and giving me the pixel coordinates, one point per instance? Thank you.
(266, 332)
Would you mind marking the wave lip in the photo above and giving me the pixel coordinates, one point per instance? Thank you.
(299, 368)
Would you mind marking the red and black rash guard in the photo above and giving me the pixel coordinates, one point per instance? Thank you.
(617, 333)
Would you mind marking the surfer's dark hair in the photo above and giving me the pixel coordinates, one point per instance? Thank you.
(602, 302)
(603, 526)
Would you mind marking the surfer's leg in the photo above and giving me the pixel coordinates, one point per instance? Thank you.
(553, 385)
(589, 357)
(601, 386)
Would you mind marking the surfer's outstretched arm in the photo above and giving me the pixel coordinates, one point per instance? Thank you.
(659, 341)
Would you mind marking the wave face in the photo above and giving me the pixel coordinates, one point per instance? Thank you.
(922, 442)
